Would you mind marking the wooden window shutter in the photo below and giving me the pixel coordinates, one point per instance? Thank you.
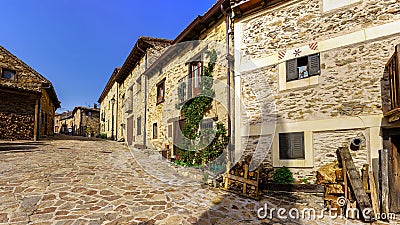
(284, 146)
(314, 65)
(291, 70)
(297, 146)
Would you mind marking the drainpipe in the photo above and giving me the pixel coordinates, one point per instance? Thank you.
(116, 116)
(145, 98)
(228, 89)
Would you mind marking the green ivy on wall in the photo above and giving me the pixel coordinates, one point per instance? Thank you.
(197, 151)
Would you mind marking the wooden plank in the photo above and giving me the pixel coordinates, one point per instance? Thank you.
(240, 179)
(374, 196)
(384, 158)
(394, 173)
(365, 177)
(375, 170)
(361, 196)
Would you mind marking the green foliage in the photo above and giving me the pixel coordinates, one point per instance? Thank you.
(305, 180)
(102, 136)
(283, 176)
(197, 149)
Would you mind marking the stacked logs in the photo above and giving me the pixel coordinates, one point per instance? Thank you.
(242, 181)
(331, 176)
(16, 127)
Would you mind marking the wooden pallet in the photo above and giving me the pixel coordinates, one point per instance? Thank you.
(241, 181)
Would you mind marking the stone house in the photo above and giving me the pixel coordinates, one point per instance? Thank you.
(311, 75)
(86, 121)
(63, 122)
(133, 89)
(28, 100)
(174, 79)
(108, 107)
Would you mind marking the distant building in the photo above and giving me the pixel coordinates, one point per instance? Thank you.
(86, 121)
(28, 100)
(62, 122)
(108, 107)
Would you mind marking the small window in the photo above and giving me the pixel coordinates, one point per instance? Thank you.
(139, 84)
(155, 135)
(302, 67)
(291, 146)
(88, 113)
(195, 74)
(206, 124)
(170, 130)
(139, 125)
(8, 74)
(161, 91)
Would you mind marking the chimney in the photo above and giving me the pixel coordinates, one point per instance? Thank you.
(95, 106)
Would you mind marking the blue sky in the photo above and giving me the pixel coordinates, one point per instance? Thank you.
(76, 44)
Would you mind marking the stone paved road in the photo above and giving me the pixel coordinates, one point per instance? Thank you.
(87, 181)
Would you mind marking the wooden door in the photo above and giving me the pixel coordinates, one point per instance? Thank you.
(129, 131)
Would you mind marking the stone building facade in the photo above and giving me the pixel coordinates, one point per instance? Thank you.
(175, 67)
(133, 86)
(28, 100)
(86, 121)
(311, 77)
(108, 107)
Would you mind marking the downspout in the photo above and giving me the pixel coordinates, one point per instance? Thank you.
(145, 97)
(228, 88)
(116, 116)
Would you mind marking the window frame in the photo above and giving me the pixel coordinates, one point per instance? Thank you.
(139, 125)
(291, 154)
(313, 67)
(9, 70)
(196, 66)
(155, 131)
(160, 94)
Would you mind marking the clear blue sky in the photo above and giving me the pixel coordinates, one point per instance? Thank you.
(76, 44)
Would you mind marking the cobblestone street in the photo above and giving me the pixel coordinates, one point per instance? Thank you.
(88, 181)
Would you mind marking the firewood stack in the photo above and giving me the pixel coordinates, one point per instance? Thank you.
(331, 176)
(242, 181)
(14, 126)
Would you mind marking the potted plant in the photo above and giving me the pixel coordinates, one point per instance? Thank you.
(89, 131)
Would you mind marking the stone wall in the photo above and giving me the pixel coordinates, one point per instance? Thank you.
(17, 115)
(299, 22)
(350, 85)
(16, 126)
(47, 115)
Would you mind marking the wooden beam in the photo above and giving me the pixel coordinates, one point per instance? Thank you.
(384, 157)
(360, 194)
(374, 194)
(36, 123)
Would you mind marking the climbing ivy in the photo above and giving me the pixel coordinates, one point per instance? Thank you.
(197, 151)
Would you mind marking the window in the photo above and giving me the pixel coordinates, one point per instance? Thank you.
(195, 74)
(170, 130)
(303, 67)
(206, 124)
(139, 125)
(139, 84)
(291, 145)
(161, 91)
(155, 135)
(88, 113)
(8, 74)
